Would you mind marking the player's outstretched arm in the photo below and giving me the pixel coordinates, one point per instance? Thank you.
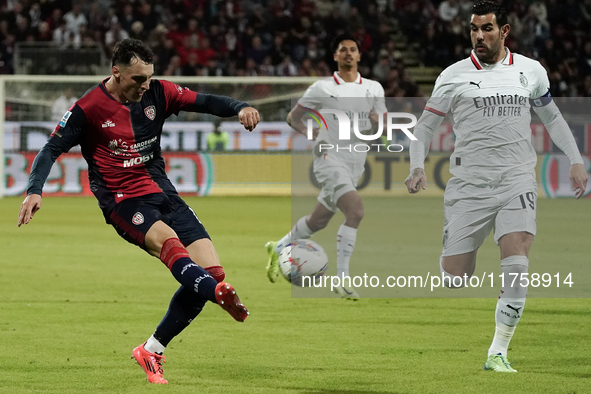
(249, 118)
(419, 149)
(64, 137)
(560, 133)
(578, 179)
(29, 207)
(416, 180)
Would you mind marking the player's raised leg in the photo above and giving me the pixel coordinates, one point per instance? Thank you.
(514, 264)
(198, 286)
(352, 206)
(304, 228)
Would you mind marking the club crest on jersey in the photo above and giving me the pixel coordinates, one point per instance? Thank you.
(150, 112)
(137, 219)
(522, 79)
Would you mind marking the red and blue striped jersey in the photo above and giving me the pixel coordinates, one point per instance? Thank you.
(121, 142)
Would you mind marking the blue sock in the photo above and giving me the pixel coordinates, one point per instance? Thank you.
(195, 278)
(184, 306)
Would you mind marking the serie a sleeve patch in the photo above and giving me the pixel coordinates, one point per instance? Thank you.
(65, 118)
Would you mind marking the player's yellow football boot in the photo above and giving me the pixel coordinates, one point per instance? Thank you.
(498, 363)
(226, 297)
(151, 363)
(273, 263)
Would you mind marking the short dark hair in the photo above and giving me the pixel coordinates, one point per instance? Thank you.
(129, 48)
(340, 38)
(489, 7)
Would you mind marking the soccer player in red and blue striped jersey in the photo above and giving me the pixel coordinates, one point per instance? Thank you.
(118, 125)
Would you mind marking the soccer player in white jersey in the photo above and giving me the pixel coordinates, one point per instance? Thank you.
(489, 96)
(338, 171)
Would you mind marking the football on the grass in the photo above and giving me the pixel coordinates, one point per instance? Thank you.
(303, 258)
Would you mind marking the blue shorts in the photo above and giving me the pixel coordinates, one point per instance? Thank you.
(132, 218)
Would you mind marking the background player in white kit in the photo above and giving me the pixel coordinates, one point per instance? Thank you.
(337, 171)
(489, 96)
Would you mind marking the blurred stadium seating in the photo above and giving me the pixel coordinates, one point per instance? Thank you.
(404, 43)
(206, 44)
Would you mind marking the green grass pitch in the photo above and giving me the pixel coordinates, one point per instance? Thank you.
(75, 299)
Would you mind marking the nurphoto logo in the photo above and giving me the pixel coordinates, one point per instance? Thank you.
(344, 134)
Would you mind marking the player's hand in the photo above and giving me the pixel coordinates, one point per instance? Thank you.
(315, 132)
(578, 179)
(373, 116)
(417, 177)
(31, 205)
(249, 118)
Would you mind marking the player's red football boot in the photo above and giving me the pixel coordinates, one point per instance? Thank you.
(226, 297)
(151, 363)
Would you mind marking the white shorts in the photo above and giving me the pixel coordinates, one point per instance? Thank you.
(472, 211)
(336, 179)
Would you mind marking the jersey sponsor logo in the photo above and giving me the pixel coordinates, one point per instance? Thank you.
(500, 105)
(118, 147)
(500, 99)
(477, 84)
(523, 80)
(108, 123)
(121, 147)
(137, 160)
(142, 145)
(150, 112)
(137, 218)
(65, 118)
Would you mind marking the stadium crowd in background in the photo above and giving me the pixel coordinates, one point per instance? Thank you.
(289, 37)
(226, 37)
(554, 32)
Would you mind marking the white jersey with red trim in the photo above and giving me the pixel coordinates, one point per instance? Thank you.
(359, 97)
(490, 108)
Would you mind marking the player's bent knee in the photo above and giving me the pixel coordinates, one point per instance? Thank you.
(216, 272)
(356, 215)
(450, 281)
(172, 250)
(156, 236)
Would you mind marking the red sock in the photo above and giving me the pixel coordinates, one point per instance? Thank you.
(172, 250)
(216, 272)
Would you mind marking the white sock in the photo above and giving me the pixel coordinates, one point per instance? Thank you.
(500, 343)
(510, 303)
(154, 346)
(346, 237)
(299, 231)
